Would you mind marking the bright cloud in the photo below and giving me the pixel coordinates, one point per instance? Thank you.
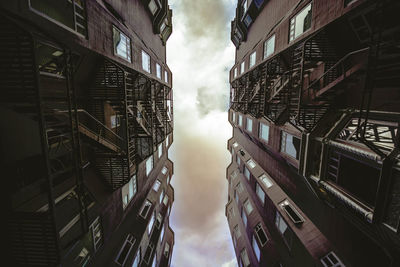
(200, 55)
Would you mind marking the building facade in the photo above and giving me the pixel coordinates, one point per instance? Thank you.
(87, 121)
(315, 110)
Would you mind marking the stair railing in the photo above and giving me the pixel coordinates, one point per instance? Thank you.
(334, 72)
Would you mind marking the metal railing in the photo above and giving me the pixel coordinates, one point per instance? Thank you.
(97, 129)
(338, 69)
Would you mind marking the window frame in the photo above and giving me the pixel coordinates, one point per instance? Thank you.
(249, 121)
(158, 71)
(266, 55)
(252, 59)
(145, 204)
(283, 145)
(128, 47)
(294, 18)
(130, 239)
(147, 56)
(242, 67)
(260, 132)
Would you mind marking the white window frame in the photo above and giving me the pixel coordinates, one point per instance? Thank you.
(147, 203)
(156, 185)
(149, 165)
(251, 164)
(235, 73)
(269, 47)
(165, 76)
(242, 68)
(146, 62)
(330, 263)
(260, 135)
(128, 191)
(160, 150)
(252, 61)
(249, 124)
(293, 35)
(158, 71)
(266, 180)
(124, 41)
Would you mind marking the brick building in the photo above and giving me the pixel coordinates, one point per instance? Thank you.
(87, 121)
(315, 111)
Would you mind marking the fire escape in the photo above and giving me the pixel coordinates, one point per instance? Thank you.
(37, 82)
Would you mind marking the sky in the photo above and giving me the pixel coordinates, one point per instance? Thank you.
(200, 54)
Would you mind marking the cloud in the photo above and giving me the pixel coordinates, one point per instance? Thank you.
(232, 263)
(208, 100)
(200, 55)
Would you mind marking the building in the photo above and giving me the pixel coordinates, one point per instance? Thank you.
(87, 121)
(315, 110)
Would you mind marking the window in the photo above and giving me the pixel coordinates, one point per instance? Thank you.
(154, 260)
(151, 223)
(269, 46)
(264, 132)
(145, 209)
(83, 257)
(236, 230)
(97, 234)
(331, 260)
(166, 76)
(300, 23)
(161, 196)
(249, 124)
(168, 179)
(147, 255)
(251, 163)
(115, 121)
(283, 229)
(146, 62)
(238, 159)
(293, 214)
(235, 73)
(164, 170)
(128, 191)
(239, 188)
(235, 144)
(233, 117)
(260, 193)
(246, 173)
(256, 248)
(242, 67)
(252, 61)
(166, 250)
(165, 200)
(162, 234)
(244, 218)
(125, 250)
(244, 258)
(160, 150)
(153, 7)
(137, 259)
(244, 5)
(156, 185)
(262, 237)
(240, 120)
(122, 45)
(149, 165)
(265, 180)
(247, 205)
(167, 141)
(158, 71)
(290, 145)
(236, 196)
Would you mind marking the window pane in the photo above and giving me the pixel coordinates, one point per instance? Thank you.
(156, 185)
(260, 193)
(145, 61)
(249, 124)
(256, 249)
(149, 165)
(158, 71)
(246, 173)
(301, 22)
(166, 76)
(264, 132)
(240, 120)
(242, 67)
(269, 46)
(122, 44)
(266, 181)
(248, 206)
(252, 61)
(290, 145)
